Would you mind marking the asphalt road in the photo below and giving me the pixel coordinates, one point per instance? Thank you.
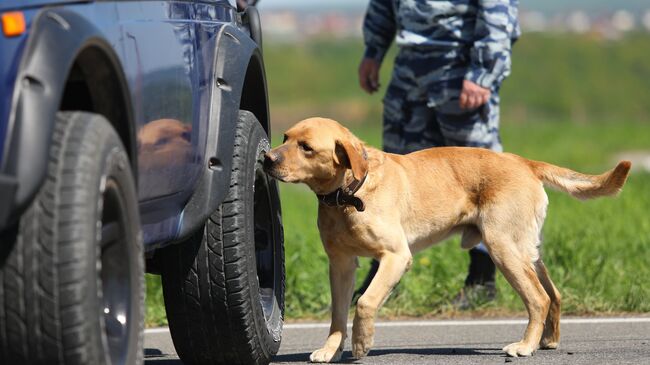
(584, 341)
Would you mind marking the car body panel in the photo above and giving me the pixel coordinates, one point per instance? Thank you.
(166, 52)
(11, 51)
(8, 5)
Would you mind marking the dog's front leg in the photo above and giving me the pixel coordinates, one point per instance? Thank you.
(342, 268)
(391, 268)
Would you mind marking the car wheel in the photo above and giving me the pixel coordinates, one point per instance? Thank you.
(71, 271)
(224, 286)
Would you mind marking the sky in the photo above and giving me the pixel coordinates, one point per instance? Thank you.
(550, 6)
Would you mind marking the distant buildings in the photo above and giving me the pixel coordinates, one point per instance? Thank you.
(289, 25)
(296, 25)
(611, 25)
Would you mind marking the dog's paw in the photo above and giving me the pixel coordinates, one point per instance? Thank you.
(362, 339)
(519, 349)
(326, 355)
(548, 344)
(361, 347)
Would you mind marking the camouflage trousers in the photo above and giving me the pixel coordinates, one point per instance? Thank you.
(421, 107)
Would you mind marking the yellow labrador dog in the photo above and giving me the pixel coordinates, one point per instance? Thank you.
(389, 206)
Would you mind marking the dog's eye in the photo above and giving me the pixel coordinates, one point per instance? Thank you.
(305, 147)
(284, 139)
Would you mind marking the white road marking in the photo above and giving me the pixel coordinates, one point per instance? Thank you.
(468, 322)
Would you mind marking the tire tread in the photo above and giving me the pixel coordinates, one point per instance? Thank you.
(215, 323)
(39, 325)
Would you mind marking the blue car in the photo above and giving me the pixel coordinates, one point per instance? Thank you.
(132, 139)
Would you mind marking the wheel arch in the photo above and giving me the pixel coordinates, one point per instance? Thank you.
(237, 86)
(254, 96)
(59, 39)
(96, 64)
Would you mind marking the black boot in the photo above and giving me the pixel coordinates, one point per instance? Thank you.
(374, 266)
(481, 268)
(480, 285)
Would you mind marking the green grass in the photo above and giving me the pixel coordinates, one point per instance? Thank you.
(155, 308)
(571, 100)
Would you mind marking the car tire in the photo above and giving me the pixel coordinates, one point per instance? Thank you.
(224, 286)
(71, 270)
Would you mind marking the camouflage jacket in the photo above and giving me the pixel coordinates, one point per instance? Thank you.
(481, 30)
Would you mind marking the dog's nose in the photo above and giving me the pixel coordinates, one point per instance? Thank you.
(271, 158)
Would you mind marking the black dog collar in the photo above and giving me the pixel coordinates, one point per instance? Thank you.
(345, 195)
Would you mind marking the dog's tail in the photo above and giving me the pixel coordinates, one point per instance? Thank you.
(579, 185)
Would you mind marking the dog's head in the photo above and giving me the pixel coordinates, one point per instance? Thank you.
(317, 152)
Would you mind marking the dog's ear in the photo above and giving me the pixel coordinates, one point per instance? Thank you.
(352, 157)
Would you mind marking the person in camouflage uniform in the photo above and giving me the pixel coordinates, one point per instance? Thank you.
(453, 56)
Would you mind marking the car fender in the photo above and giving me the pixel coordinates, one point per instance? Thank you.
(236, 51)
(56, 37)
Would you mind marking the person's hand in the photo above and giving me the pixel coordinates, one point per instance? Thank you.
(472, 96)
(369, 75)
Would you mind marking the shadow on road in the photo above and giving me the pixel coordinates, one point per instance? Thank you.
(436, 351)
(347, 358)
(157, 357)
(160, 361)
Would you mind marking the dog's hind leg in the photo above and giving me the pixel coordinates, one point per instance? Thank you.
(551, 335)
(517, 267)
(342, 269)
(391, 268)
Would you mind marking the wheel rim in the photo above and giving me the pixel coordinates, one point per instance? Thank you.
(115, 274)
(264, 243)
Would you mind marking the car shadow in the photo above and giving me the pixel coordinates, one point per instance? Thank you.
(347, 358)
(157, 357)
(162, 362)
